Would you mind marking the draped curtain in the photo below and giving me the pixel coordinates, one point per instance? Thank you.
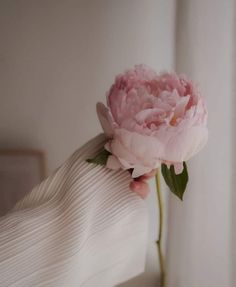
(202, 230)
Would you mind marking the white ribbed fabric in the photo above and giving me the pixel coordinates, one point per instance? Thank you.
(80, 227)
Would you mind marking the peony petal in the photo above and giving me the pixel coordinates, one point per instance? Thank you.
(105, 119)
(144, 150)
(148, 114)
(179, 167)
(113, 163)
(140, 170)
(135, 151)
(118, 149)
(185, 144)
(181, 106)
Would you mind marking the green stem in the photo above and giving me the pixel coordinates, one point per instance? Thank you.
(159, 241)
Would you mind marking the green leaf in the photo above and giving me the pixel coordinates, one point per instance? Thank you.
(176, 182)
(101, 158)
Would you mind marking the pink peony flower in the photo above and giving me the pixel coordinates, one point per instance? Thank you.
(152, 119)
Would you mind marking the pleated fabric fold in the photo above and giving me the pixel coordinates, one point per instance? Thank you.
(82, 226)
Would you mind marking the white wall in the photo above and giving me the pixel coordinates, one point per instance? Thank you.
(200, 246)
(58, 58)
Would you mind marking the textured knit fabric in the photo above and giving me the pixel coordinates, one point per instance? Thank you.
(82, 226)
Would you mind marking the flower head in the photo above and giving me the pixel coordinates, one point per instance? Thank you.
(151, 119)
